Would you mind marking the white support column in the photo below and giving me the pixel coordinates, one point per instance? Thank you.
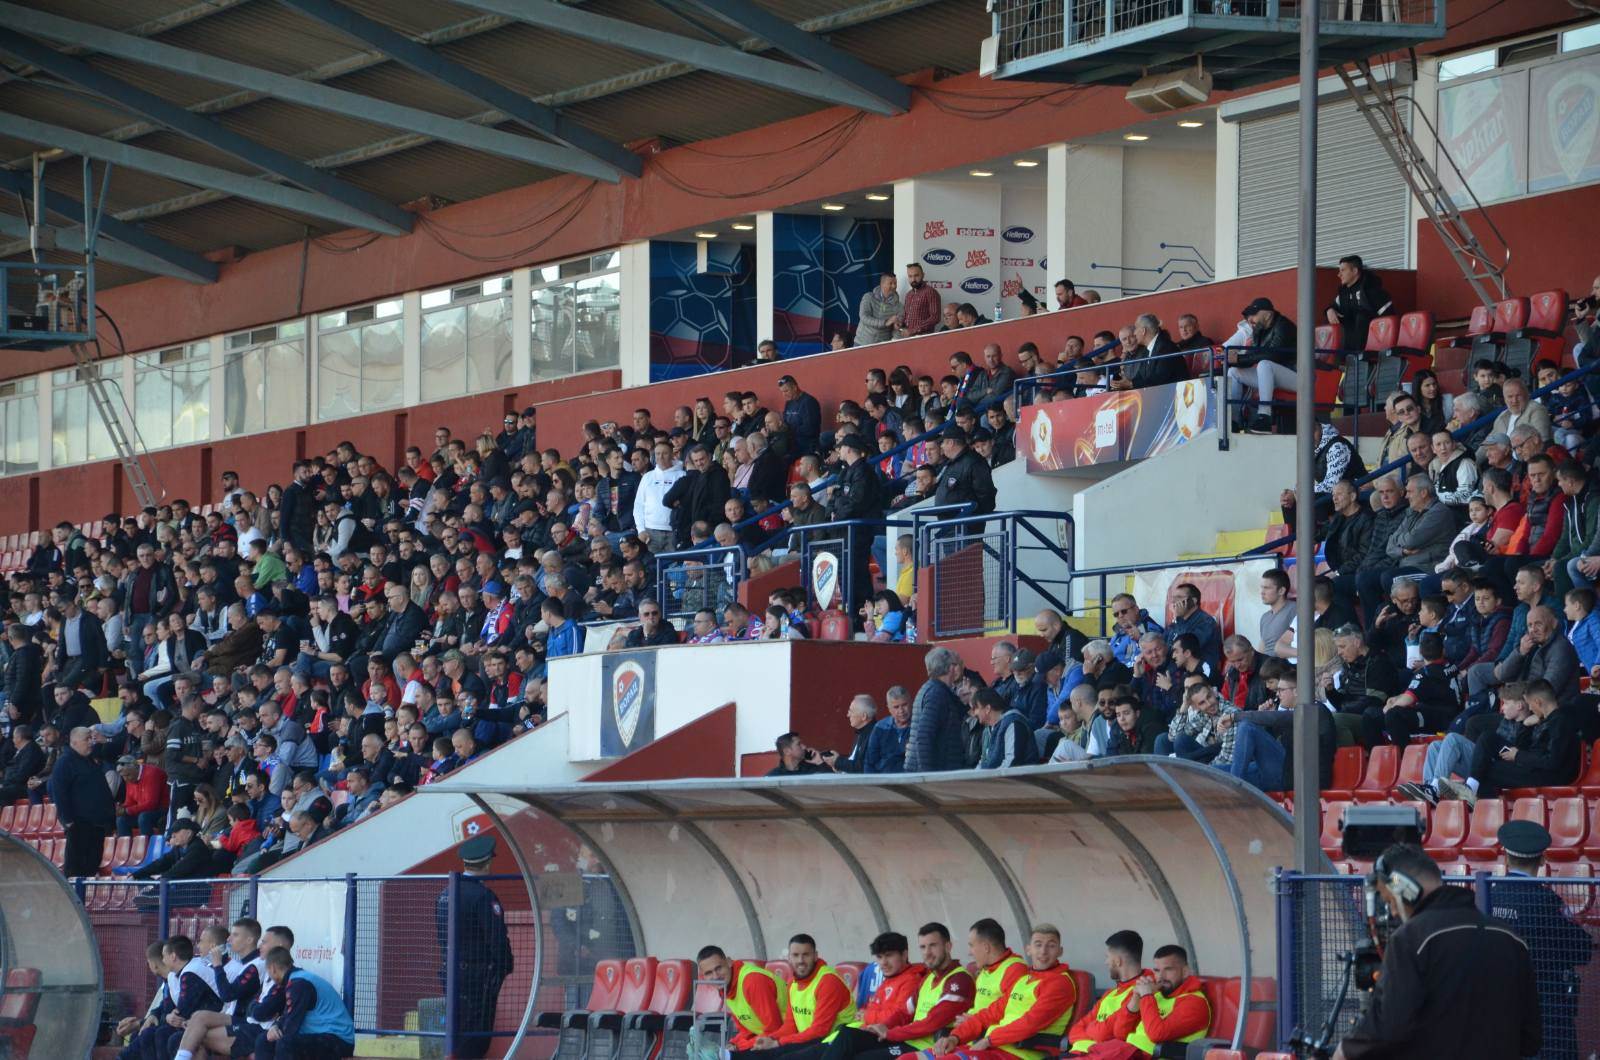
(1227, 201)
(218, 390)
(47, 408)
(766, 308)
(905, 225)
(1055, 226)
(411, 349)
(1093, 181)
(1424, 98)
(635, 356)
(521, 327)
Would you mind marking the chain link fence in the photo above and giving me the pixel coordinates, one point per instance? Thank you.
(388, 942)
(1322, 918)
(970, 574)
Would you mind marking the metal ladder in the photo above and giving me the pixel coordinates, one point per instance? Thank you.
(1378, 104)
(129, 456)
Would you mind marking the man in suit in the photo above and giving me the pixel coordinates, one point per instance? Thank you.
(23, 672)
(27, 761)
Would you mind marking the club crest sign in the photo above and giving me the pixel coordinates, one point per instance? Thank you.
(824, 578)
(627, 720)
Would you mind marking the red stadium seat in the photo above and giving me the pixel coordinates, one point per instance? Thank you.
(8, 818)
(1569, 828)
(1448, 830)
(1084, 981)
(638, 982)
(1580, 898)
(1332, 822)
(1260, 1025)
(1510, 314)
(121, 848)
(604, 992)
(850, 972)
(1383, 766)
(1348, 765)
(782, 970)
(1483, 841)
(55, 850)
(19, 1001)
(1411, 761)
(1531, 808)
(1330, 338)
(108, 851)
(669, 998)
(1589, 780)
(49, 825)
(1381, 333)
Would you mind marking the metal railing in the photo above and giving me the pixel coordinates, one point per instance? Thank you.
(977, 571)
(1101, 578)
(390, 944)
(1321, 919)
(698, 578)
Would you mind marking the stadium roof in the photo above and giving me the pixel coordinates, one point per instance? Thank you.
(255, 123)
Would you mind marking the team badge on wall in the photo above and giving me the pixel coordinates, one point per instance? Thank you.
(824, 579)
(628, 721)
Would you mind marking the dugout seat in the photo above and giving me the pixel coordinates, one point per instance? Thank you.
(1483, 840)
(662, 1029)
(1383, 768)
(604, 995)
(19, 1001)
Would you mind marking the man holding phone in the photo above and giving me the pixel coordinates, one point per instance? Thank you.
(796, 759)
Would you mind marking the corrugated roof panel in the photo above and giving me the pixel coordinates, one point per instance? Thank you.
(233, 222)
(394, 83)
(694, 106)
(177, 88)
(443, 170)
(59, 106)
(121, 15)
(270, 36)
(562, 62)
(414, 17)
(302, 132)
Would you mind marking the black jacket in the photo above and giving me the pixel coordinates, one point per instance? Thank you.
(92, 641)
(856, 760)
(1148, 371)
(966, 478)
(1357, 306)
(25, 764)
(1347, 539)
(936, 742)
(859, 494)
(1275, 342)
(767, 472)
(1454, 983)
(22, 680)
(78, 788)
(401, 631)
(297, 516)
(192, 862)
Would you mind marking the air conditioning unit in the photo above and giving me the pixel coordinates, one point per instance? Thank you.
(1161, 93)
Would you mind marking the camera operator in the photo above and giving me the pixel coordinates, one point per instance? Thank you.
(1444, 991)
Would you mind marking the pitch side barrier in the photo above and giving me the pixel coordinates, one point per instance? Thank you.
(1178, 851)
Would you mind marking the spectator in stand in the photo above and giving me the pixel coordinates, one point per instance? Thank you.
(143, 797)
(81, 653)
(1189, 617)
(1418, 542)
(1364, 678)
(1067, 296)
(1155, 363)
(1202, 729)
(1429, 703)
(935, 743)
(1405, 417)
(651, 514)
(886, 746)
(1136, 730)
(1580, 520)
(920, 315)
(1010, 740)
(24, 670)
(1551, 756)
(83, 804)
(880, 312)
(859, 715)
(795, 758)
(1265, 365)
(1360, 299)
(27, 761)
(1280, 611)
(1521, 410)
(1453, 473)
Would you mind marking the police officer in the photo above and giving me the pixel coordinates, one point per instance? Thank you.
(964, 478)
(1559, 946)
(1454, 982)
(483, 950)
(858, 496)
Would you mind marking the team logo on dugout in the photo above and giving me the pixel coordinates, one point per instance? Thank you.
(627, 699)
(824, 578)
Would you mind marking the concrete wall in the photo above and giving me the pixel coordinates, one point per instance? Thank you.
(1169, 197)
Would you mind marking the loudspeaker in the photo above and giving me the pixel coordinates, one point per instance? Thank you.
(1161, 93)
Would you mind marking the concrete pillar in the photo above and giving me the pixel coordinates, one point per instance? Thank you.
(766, 310)
(905, 226)
(411, 349)
(521, 327)
(1093, 185)
(1055, 227)
(1227, 201)
(635, 353)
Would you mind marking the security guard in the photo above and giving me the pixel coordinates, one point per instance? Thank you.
(1559, 946)
(859, 496)
(483, 950)
(964, 478)
(1454, 982)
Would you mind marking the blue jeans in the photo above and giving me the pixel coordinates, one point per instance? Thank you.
(1451, 756)
(308, 665)
(149, 822)
(1258, 757)
(1580, 580)
(1186, 746)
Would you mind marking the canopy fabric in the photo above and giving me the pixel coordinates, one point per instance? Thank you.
(46, 951)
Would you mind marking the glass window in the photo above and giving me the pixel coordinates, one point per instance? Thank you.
(1467, 65)
(359, 355)
(19, 427)
(172, 396)
(466, 339)
(77, 433)
(1582, 37)
(264, 379)
(577, 316)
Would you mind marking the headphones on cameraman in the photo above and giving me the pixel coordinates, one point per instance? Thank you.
(1400, 885)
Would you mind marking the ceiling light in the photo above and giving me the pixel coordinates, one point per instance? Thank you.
(981, 172)
(877, 196)
(740, 226)
(1191, 124)
(1025, 163)
(1135, 137)
(705, 235)
(833, 206)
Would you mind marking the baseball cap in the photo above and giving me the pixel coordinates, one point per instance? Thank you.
(1498, 438)
(530, 411)
(1257, 306)
(1023, 659)
(853, 441)
(128, 760)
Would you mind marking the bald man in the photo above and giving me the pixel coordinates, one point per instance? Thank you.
(84, 805)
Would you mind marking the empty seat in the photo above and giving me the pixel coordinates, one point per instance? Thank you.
(1348, 765)
(19, 1001)
(1383, 766)
(8, 818)
(28, 820)
(603, 994)
(1402, 350)
(1530, 808)
(850, 972)
(1483, 839)
(1569, 828)
(1332, 825)
(1578, 898)
(668, 1008)
(48, 824)
(1448, 829)
(1411, 762)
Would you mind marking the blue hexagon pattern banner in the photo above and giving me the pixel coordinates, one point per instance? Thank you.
(701, 321)
(821, 266)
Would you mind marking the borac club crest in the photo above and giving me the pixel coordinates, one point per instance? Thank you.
(1573, 112)
(627, 699)
(475, 825)
(824, 578)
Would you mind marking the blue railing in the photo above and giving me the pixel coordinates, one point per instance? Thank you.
(996, 539)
